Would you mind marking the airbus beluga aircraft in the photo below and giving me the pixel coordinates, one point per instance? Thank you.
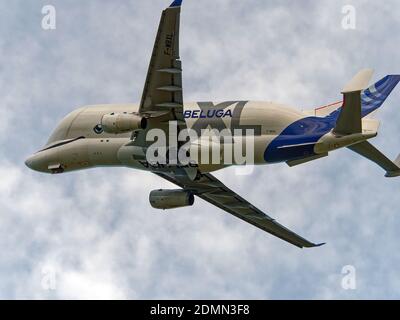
(117, 135)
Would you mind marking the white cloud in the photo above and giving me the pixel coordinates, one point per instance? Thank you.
(97, 229)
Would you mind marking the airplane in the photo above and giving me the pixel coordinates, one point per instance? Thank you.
(116, 135)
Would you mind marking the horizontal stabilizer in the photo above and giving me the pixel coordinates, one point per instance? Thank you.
(349, 120)
(397, 161)
(359, 82)
(368, 151)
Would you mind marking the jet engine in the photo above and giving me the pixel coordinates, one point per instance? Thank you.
(122, 122)
(171, 199)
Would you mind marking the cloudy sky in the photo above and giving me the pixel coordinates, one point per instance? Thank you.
(93, 234)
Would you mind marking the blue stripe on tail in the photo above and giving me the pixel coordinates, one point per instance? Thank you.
(307, 131)
(176, 3)
(373, 97)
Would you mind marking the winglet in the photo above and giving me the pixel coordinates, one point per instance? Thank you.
(359, 82)
(176, 3)
(320, 245)
(315, 245)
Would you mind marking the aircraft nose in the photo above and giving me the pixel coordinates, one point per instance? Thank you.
(32, 163)
(28, 162)
(45, 161)
(35, 162)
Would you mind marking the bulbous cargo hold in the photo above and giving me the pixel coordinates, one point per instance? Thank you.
(171, 199)
(123, 122)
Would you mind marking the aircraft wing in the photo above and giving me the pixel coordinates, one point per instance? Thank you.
(162, 94)
(215, 192)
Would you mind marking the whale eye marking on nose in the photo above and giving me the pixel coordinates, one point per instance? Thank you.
(98, 129)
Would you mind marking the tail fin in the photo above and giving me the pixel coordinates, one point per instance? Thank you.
(373, 97)
(360, 101)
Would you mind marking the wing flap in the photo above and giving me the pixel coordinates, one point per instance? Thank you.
(368, 151)
(359, 82)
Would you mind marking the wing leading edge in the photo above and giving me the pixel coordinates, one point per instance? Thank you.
(215, 192)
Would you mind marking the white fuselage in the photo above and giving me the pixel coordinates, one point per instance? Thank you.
(79, 143)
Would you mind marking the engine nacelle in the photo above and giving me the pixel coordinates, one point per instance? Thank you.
(122, 122)
(171, 199)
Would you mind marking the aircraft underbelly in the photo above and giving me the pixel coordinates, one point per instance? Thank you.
(298, 140)
(290, 148)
